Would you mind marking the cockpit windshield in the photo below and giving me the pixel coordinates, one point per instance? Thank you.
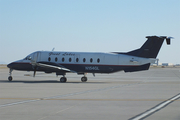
(31, 56)
(27, 58)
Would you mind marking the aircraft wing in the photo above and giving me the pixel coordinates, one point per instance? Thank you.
(52, 65)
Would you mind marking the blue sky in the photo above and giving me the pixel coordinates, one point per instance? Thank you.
(87, 26)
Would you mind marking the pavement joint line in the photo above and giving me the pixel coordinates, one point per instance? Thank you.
(90, 99)
(58, 112)
(66, 95)
(156, 108)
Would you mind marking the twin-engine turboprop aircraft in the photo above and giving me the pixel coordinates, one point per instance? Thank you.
(90, 62)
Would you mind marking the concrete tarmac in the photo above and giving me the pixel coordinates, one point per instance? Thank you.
(149, 95)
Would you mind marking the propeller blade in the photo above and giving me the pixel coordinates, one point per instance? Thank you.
(34, 72)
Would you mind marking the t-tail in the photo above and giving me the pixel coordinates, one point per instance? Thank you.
(151, 47)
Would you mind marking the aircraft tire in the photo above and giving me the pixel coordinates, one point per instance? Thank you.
(84, 79)
(63, 79)
(10, 78)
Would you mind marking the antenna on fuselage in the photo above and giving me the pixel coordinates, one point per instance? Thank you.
(53, 49)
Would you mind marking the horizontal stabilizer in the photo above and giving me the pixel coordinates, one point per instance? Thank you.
(168, 40)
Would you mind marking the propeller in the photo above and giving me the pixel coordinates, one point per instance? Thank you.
(33, 63)
(34, 66)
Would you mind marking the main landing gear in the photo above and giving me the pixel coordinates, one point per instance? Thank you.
(84, 78)
(64, 79)
(10, 78)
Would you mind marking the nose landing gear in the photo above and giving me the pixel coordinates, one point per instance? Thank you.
(10, 78)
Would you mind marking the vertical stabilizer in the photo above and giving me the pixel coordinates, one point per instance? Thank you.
(150, 48)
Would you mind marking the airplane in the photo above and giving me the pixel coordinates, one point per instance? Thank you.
(91, 62)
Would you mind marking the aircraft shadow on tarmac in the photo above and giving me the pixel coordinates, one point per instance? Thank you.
(48, 81)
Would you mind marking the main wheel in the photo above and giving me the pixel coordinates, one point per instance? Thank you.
(63, 79)
(84, 79)
(10, 78)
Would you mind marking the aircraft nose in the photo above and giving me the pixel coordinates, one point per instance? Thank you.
(13, 65)
(20, 65)
(10, 65)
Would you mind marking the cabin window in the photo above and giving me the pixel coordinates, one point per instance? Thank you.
(91, 60)
(84, 60)
(49, 59)
(98, 60)
(56, 59)
(77, 59)
(63, 59)
(70, 59)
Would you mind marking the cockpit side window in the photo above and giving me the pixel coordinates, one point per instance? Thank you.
(28, 58)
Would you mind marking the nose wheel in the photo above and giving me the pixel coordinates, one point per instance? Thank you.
(10, 78)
